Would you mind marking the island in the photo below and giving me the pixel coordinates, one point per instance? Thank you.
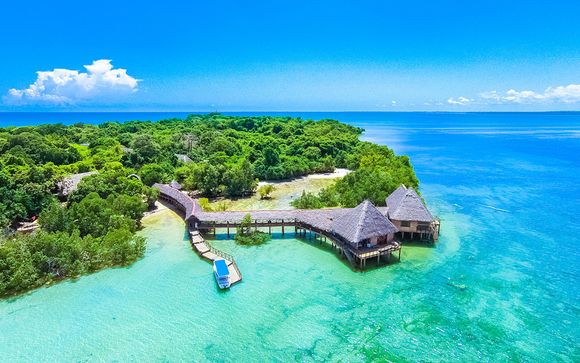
(78, 193)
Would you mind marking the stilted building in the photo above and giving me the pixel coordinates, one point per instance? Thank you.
(364, 226)
(408, 212)
(360, 233)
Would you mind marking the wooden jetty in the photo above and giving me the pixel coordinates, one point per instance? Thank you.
(361, 233)
(207, 251)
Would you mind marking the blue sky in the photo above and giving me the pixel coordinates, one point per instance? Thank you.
(290, 56)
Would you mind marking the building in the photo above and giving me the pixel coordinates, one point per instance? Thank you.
(183, 158)
(407, 211)
(175, 185)
(364, 227)
(70, 183)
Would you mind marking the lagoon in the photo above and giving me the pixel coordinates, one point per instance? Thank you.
(501, 284)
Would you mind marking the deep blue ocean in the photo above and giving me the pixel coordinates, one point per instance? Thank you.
(502, 283)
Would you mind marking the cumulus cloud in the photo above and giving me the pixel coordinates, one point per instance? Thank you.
(100, 83)
(459, 101)
(560, 94)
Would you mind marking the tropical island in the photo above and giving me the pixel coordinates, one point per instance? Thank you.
(83, 189)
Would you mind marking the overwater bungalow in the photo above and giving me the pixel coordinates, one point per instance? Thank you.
(364, 227)
(408, 212)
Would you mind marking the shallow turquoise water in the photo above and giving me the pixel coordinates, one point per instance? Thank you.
(506, 188)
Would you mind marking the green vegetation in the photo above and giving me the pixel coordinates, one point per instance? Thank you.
(229, 154)
(307, 201)
(77, 238)
(265, 191)
(248, 236)
(216, 207)
(94, 227)
(377, 173)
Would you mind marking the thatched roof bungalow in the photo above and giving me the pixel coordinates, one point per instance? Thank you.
(408, 212)
(364, 225)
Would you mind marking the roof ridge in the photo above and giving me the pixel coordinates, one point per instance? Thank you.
(361, 218)
(412, 206)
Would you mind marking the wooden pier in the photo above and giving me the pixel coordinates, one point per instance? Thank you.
(358, 234)
(208, 252)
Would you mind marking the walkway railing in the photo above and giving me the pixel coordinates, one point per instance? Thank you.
(225, 256)
(222, 254)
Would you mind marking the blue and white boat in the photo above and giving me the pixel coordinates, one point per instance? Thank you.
(222, 273)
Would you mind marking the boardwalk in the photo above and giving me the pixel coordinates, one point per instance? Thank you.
(323, 222)
(210, 253)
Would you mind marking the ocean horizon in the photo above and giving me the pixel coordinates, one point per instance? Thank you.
(33, 118)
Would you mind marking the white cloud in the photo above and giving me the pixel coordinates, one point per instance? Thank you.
(560, 94)
(100, 83)
(459, 101)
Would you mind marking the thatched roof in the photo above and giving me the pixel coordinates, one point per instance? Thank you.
(70, 183)
(235, 217)
(404, 204)
(187, 204)
(175, 185)
(183, 158)
(363, 222)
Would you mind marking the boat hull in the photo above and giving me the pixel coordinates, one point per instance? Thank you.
(221, 273)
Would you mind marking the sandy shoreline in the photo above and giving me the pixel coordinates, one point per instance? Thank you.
(286, 191)
(338, 173)
(158, 208)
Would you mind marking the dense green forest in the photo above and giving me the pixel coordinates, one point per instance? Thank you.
(217, 155)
